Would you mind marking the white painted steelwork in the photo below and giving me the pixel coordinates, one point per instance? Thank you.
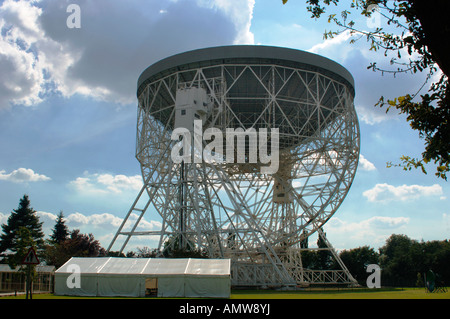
(233, 210)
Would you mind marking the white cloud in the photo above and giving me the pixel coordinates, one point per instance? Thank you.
(372, 115)
(445, 219)
(383, 222)
(102, 226)
(365, 164)
(374, 230)
(241, 13)
(3, 218)
(370, 86)
(48, 220)
(23, 175)
(371, 224)
(46, 217)
(385, 192)
(21, 76)
(117, 183)
(108, 221)
(105, 220)
(117, 40)
(106, 183)
(330, 44)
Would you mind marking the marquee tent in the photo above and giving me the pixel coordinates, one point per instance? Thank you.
(138, 277)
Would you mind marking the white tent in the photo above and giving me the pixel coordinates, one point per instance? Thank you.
(136, 277)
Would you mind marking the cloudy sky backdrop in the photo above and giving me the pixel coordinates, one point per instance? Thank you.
(68, 111)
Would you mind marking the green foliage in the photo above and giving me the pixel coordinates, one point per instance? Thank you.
(402, 258)
(22, 231)
(324, 257)
(144, 252)
(396, 261)
(420, 30)
(173, 248)
(23, 243)
(403, 261)
(356, 260)
(60, 231)
(431, 121)
(420, 282)
(76, 245)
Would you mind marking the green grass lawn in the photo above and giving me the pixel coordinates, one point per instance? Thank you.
(363, 293)
(395, 293)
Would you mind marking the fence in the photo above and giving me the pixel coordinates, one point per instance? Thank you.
(12, 280)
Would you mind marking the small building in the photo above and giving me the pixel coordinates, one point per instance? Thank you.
(191, 104)
(12, 280)
(140, 277)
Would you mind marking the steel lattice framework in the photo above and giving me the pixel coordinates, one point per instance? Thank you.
(233, 210)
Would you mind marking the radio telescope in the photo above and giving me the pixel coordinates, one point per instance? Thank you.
(232, 200)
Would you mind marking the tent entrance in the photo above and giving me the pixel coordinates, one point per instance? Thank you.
(151, 287)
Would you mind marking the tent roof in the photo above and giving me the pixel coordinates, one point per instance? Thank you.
(147, 266)
(39, 268)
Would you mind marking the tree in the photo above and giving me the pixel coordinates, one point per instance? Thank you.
(324, 255)
(436, 256)
(146, 252)
(402, 259)
(24, 217)
(420, 282)
(396, 261)
(422, 30)
(22, 232)
(23, 243)
(60, 231)
(76, 245)
(356, 260)
(82, 245)
(174, 249)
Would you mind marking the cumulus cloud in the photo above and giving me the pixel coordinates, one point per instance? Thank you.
(365, 164)
(79, 221)
(331, 43)
(23, 175)
(40, 55)
(21, 77)
(445, 219)
(373, 223)
(106, 183)
(48, 220)
(3, 218)
(241, 13)
(370, 86)
(383, 222)
(375, 229)
(108, 221)
(386, 193)
(355, 58)
(371, 115)
(102, 226)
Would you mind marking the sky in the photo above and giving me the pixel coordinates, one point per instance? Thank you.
(68, 111)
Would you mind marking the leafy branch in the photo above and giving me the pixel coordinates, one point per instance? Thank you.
(421, 29)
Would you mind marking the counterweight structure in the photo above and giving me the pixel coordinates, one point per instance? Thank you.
(232, 206)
